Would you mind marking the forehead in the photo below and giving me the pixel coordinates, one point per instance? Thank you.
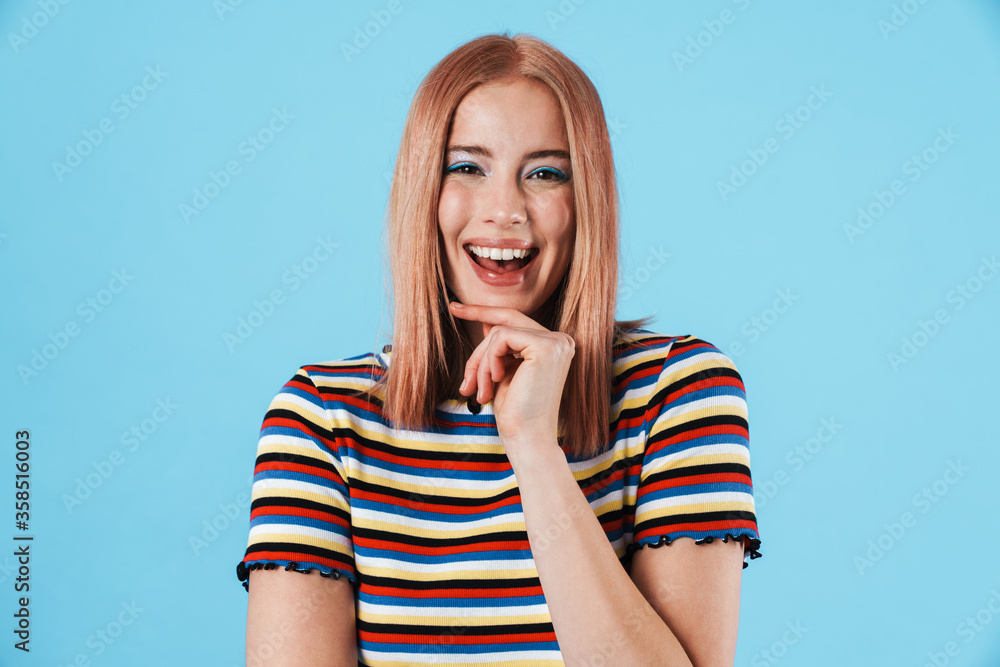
(510, 112)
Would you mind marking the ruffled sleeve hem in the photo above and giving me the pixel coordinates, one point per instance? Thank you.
(751, 545)
(243, 571)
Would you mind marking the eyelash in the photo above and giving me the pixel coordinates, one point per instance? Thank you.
(558, 175)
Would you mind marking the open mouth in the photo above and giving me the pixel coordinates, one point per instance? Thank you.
(501, 260)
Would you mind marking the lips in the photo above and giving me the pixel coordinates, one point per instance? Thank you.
(501, 266)
(501, 273)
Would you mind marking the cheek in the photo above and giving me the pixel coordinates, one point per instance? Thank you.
(450, 224)
(556, 216)
(453, 207)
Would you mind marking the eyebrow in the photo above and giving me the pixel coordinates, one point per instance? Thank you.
(485, 152)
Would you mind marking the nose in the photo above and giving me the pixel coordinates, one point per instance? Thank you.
(504, 203)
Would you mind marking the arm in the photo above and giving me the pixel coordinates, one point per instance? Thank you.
(695, 589)
(695, 480)
(680, 606)
(300, 518)
(597, 611)
(695, 484)
(300, 620)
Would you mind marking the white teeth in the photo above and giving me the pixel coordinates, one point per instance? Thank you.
(499, 253)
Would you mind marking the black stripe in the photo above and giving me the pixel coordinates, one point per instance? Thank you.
(696, 517)
(621, 464)
(431, 498)
(284, 501)
(457, 584)
(442, 542)
(456, 629)
(296, 548)
(688, 380)
(695, 424)
(297, 459)
(407, 453)
(703, 469)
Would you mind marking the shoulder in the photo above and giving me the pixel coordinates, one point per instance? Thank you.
(350, 374)
(651, 361)
(635, 348)
(318, 387)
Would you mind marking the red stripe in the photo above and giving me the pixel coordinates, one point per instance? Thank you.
(700, 526)
(304, 468)
(695, 433)
(462, 593)
(506, 545)
(438, 508)
(708, 478)
(449, 636)
(431, 464)
(299, 512)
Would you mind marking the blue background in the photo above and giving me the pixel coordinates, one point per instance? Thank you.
(680, 127)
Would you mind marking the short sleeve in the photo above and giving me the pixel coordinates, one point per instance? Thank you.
(695, 476)
(300, 513)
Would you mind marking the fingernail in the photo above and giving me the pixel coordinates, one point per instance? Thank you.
(456, 304)
(464, 382)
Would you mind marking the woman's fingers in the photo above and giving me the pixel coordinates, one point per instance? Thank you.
(491, 315)
(493, 364)
(484, 381)
(486, 366)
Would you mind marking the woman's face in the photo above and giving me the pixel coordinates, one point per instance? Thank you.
(507, 188)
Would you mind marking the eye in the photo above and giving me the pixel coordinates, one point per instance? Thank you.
(550, 174)
(462, 168)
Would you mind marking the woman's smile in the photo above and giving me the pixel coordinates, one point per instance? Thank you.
(501, 263)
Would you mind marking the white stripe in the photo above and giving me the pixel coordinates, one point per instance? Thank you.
(438, 654)
(641, 354)
(456, 613)
(372, 473)
(666, 460)
(366, 516)
(264, 529)
(318, 411)
(450, 567)
(330, 493)
(703, 403)
(727, 497)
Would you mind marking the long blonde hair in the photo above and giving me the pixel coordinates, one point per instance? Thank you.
(429, 348)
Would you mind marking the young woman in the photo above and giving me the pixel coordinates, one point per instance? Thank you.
(480, 492)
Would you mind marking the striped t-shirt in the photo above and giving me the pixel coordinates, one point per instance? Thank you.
(427, 524)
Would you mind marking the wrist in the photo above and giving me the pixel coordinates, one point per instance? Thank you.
(531, 447)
